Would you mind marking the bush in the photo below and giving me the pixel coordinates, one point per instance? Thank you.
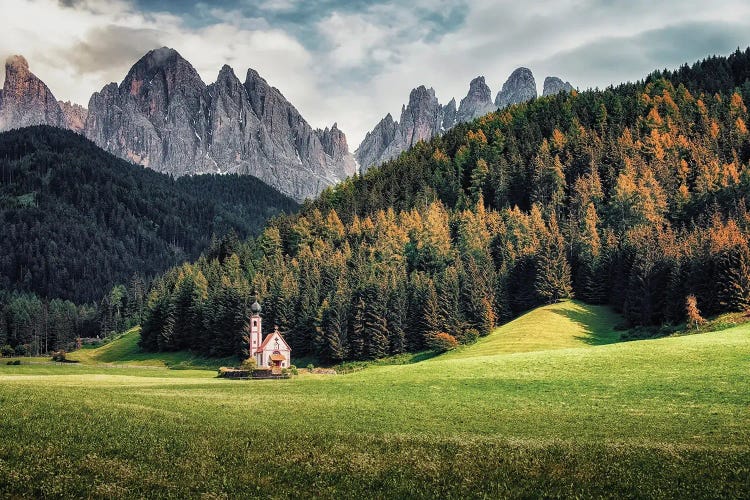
(442, 342)
(59, 356)
(23, 350)
(293, 370)
(7, 351)
(15, 362)
(249, 364)
(310, 367)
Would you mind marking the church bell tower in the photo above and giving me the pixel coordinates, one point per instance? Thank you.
(256, 330)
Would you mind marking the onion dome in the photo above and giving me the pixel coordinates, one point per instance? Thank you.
(255, 307)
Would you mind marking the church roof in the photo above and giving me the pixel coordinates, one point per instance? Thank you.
(268, 339)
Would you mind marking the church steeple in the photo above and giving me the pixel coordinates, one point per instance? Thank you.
(256, 328)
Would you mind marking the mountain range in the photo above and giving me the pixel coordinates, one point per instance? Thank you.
(163, 116)
(424, 117)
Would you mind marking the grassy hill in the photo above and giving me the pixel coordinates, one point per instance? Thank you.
(124, 350)
(657, 418)
(557, 326)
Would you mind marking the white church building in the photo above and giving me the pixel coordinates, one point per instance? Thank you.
(273, 351)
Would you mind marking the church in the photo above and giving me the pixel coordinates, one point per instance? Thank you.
(272, 352)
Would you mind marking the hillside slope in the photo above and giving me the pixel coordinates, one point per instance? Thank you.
(558, 326)
(124, 351)
(76, 220)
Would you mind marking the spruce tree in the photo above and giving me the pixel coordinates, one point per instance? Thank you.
(553, 281)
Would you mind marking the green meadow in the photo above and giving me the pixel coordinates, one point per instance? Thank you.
(548, 405)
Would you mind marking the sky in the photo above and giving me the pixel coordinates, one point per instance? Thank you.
(353, 61)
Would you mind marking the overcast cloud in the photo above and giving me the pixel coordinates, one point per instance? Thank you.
(352, 62)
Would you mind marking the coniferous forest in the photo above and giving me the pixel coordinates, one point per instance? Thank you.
(83, 232)
(634, 196)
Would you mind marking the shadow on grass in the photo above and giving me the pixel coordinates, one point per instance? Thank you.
(597, 331)
(399, 359)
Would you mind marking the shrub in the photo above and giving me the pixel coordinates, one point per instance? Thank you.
(14, 362)
(23, 350)
(249, 364)
(694, 318)
(293, 370)
(442, 342)
(310, 367)
(58, 356)
(7, 351)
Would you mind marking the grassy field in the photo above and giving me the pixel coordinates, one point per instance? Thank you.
(657, 418)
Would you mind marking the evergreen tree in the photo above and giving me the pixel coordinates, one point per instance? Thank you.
(553, 281)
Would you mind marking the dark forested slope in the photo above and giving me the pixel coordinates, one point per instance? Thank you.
(76, 220)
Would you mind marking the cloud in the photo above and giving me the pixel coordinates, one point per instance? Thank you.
(611, 60)
(110, 47)
(78, 47)
(353, 61)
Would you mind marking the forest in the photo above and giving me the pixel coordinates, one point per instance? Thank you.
(634, 196)
(83, 228)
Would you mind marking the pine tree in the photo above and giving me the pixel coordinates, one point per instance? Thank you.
(553, 282)
(375, 326)
(357, 327)
(734, 278)
(476, 299)
(395, 319)
(331, 332)
(432, 322)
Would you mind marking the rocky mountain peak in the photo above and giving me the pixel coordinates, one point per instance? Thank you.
(162, 70)
(372, 149)
(449, 114)
(519, 87)
(16, 64)
(75, 115)
(25, 99)
(164, 117)
(421, 95)
(333, 141)
(421, 117)
(478, 101)
(554, 85)
(226, 72)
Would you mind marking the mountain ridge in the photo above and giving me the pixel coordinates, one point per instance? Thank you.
(386, 140)
(163, 116)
